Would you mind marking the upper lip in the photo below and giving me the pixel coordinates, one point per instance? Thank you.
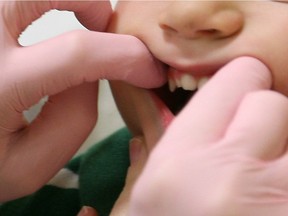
(197, 70)
(197, 66)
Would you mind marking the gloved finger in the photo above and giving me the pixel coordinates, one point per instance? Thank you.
(276, 175)
(81, 56)
(260, 127)
(87, 211)
(207, 116)
(19, 14)
(138, 157)
(52, 139)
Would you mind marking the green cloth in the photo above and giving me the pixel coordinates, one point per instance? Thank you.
(99, 173)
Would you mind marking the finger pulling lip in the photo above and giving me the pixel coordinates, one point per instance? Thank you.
(169, 103)
(196, 69)
(164, 105)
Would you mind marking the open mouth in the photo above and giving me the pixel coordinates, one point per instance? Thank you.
(179, 89)
(175, 100)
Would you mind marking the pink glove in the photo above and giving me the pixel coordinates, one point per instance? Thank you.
(228, 158)
(31, 154)
(87, 211)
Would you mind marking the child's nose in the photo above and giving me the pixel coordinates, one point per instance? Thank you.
(196, 19)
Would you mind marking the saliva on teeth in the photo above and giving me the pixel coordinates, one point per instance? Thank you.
(186, 81)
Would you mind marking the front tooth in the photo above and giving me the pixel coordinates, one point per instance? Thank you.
(188, 82)
(177, 81)
(202, 82)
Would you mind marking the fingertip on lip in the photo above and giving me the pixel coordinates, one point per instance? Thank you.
(245, 72)
(162, 70)
(260, 68)
(154, 78)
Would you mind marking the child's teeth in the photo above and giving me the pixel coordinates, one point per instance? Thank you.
(188, 82)
(172, 85)
(178, 83)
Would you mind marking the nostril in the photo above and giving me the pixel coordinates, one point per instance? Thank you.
(190, 32)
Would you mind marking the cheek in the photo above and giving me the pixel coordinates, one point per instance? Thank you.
(273, 46)
(280, 74)
(275, 56)
(270, 49)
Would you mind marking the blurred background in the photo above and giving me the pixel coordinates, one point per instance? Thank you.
(54, 23)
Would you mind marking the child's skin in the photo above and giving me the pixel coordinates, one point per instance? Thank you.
(225, 153)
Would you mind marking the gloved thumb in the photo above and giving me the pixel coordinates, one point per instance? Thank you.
(78, 57)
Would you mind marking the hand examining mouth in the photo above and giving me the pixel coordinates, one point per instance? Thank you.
(182, 85)
(212, 127)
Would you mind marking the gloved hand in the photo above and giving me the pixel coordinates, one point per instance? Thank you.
(138, 157)
(225, 154)
(63, 68)
(87, 211)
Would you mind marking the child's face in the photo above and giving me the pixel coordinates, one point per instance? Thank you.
(198, 37)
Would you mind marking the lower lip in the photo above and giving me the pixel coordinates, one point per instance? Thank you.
(164, 112)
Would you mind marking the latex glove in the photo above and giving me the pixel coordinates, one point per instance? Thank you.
(30, 154)
(225, 154)
(87, 211)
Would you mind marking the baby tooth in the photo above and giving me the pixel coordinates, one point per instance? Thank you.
(172, 85)
(202, 82)
(188, 82)
(178, 82)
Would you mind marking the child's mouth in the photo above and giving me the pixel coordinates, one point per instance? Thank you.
(179, 89)
(175, 100)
